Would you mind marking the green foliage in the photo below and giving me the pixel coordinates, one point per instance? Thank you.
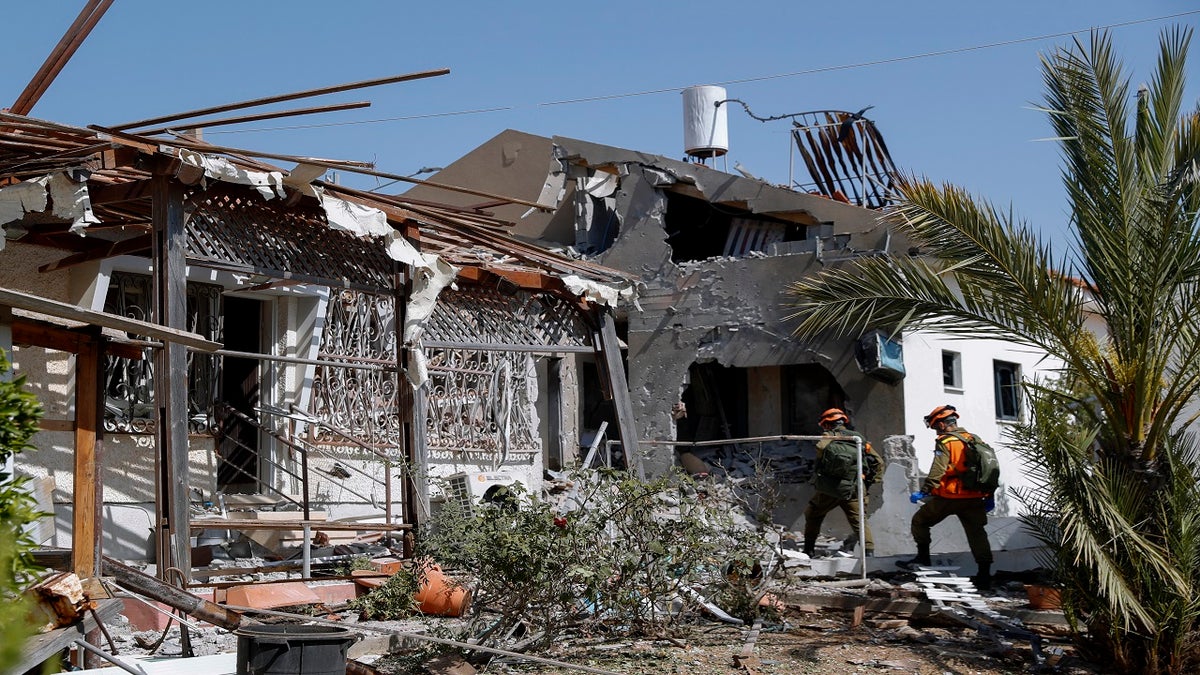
(358, 562)
(19, 415)
(394, 599)
(1125, 550)
(1115, 480)
(626, 556)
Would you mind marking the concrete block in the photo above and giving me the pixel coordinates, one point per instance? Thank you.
(268, 596)
(387, 565)
(142, 618)
(334, 594)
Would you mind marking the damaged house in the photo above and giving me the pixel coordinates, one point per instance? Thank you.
(709, 353)
(264, 346)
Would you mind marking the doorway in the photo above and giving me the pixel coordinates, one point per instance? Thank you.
(240, 389)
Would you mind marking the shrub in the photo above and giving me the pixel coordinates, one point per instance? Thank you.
(620, 554)
(19, 415)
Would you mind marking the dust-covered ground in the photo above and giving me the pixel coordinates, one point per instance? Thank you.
(816, 632)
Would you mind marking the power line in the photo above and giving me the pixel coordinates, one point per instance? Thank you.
(864, 64)
(745, 80)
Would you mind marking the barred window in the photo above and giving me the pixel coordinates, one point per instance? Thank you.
(129, 383)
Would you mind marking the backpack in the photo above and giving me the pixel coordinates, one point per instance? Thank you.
(837, 472)
(983, 470)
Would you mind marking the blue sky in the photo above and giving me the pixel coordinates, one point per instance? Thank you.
(964, 117)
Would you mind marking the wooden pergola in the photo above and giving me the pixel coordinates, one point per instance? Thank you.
(89, 345)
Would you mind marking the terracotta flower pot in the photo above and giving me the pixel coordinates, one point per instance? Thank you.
(1043, 597)
(439, 595)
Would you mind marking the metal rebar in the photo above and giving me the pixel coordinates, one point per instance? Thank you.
(127, 667)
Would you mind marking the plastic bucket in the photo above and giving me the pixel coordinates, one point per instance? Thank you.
(440, 596)
(292, 650)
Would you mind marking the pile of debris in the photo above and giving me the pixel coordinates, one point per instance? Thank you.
(600, 561)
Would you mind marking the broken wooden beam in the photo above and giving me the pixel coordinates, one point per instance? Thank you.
(143, 584)
(87, 19)
(242, 119)
(45, 646)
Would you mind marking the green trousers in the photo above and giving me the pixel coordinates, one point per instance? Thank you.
(821, 504)
(970, 513)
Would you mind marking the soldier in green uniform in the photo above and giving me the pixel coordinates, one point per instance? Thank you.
(836, 478)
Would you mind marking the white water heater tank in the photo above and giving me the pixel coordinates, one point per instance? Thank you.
(705, 124)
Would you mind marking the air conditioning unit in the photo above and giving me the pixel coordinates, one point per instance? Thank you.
(880, 356)
(469, 489)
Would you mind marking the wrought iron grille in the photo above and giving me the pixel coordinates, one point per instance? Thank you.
(129, 383)
(238, 226)
(481, 404)
(360, 328)
(487, 316)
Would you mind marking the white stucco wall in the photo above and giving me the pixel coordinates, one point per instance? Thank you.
(924, 390)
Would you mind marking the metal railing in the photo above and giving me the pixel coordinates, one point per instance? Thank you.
(229, 412)
(307, 446)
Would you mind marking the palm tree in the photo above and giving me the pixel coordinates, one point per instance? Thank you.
(1118, 505)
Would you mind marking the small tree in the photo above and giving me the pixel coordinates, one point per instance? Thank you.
(19, 415)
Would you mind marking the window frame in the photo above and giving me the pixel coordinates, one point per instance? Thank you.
(1007, 395)
(956, 383)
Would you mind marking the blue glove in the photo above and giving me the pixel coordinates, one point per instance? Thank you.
(989, 504)
(916, 497)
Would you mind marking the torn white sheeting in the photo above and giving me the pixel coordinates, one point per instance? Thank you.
(268, 183)
(357, 219)
(300, 179)
(600, 184)
(70, 200)
(368, 221)
(604, 294)
(17, 200)
(429, 278)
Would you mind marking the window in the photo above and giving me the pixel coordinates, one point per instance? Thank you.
(952, 370)
(129, 387)
(1007, 377)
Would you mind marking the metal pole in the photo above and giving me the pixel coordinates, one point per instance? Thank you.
(123, 665)
(306, 559)
(304, 480)
(862, 508)
(791, 159)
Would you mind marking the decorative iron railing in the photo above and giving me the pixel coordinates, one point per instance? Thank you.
(360, 328)
(129, 383)
(481, 405)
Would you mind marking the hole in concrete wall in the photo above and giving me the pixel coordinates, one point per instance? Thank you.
(698, 229)
(808, 390)
(716, 401)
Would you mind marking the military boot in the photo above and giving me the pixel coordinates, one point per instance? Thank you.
(983, 580)
(922, 559)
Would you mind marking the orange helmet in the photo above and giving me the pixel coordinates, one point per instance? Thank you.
(940, 413)
(833, 416)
